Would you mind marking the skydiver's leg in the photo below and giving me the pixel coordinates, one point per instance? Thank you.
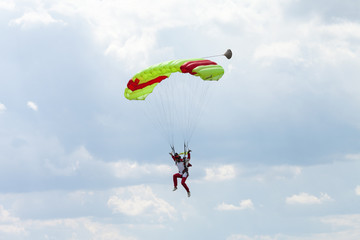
(175, 177)
(184, 184)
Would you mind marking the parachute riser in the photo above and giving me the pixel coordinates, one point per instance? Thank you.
(186, 149)
(172, 149)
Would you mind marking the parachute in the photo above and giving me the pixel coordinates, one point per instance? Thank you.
(144, 82)
(174, 93)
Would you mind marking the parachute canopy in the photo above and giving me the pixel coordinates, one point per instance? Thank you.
(144, 82)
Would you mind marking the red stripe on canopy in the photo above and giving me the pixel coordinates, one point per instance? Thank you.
(188, 67)
(134, 85)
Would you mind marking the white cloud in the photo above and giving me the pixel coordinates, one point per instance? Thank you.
(244, 204)
(122, 28)
(80, 228)
(286, 171)
(53, 159)
(33, 18)
(104, 231)
(131, 169)
(2, 108)
(281, 172)
(281, 50)
(131, 33)
(221, 173)
(357, 190)
(7, 4)
(257, 237)
(311, 41)
(355, 157)
(342, 227)
(350, 220)
(343, 29)
(11, 229)
(8, 223)
(305, 198)
(140, 200)
(82, 160)
(67, 165)
(333, 42)
(32, 105)
(5, 216)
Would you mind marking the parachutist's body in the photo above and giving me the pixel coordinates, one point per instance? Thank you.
(183, 165)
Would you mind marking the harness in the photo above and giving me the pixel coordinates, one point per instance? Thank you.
(183, 160)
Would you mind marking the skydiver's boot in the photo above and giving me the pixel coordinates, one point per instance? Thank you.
(175, 188)
(189, 194)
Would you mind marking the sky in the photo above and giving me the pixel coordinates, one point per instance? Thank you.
(276, 153)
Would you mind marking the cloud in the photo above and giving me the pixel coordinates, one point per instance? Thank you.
(8, 223)
(305, 198)
(357, 190)
(2, 108)
(33, 18)
(221, 173)
(69, 164)
(32, 106)
(140, 200)
(284, 172)
(131, 33)
(80, 228)
(49, 158)
(257, 237)
(281, 172)
(131, 169)
(123, 29)
(5, 216)
(335, 42)
(81, 160)
(260, 173)
(350, 220)
(7, 5)
(282, 50)
(343, 29)
(311, 42)
(342, 227)
(354, 157)
(244, 204)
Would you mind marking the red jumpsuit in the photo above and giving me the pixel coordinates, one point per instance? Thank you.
(183, 171)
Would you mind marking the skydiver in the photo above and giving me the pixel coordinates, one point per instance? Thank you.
(183, 166)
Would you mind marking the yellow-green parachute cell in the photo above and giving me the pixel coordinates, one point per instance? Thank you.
(144, 82)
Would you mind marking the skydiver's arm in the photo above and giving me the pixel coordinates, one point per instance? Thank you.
(173, 157)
